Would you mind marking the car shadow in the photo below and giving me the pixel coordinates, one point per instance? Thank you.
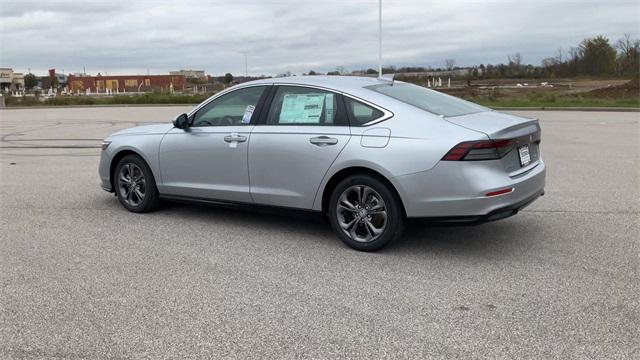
(497, 240)
(504, 238)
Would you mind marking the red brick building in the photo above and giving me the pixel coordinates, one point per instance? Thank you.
(129, 83)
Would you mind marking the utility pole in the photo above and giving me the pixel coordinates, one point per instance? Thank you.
(379, 38)
(246, 68)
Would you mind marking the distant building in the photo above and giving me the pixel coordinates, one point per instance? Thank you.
(453, 73)
(121, 83)
(61, 79)
(190, 74)
(11, 81)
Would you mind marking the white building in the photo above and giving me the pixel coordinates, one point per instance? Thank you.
(11, 81)
(190, 74)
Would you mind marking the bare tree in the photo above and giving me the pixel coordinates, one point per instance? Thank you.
(627, 45)
(549, 62)
(559, 55)
(628, 61)
(515, 59)
(450, 63)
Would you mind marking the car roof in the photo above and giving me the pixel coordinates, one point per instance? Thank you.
(348, 84)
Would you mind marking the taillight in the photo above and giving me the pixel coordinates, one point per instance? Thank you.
(480, 150)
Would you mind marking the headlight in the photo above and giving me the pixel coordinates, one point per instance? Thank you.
(105, 144)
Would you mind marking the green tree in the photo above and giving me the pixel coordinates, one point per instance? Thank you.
(228, 78)
(30, 81)
(598, 56)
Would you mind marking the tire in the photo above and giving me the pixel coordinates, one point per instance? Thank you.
(360, 219)
(129, 192)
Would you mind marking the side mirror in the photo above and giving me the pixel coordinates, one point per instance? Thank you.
(181, 122)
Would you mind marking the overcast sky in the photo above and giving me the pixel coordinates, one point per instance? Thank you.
(126, 37)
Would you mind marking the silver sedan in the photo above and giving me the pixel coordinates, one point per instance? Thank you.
(367, 153)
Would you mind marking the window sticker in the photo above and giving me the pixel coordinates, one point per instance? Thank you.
(248, 112)
(302, 108)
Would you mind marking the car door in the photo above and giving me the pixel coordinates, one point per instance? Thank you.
(208, 159)
(294, 144)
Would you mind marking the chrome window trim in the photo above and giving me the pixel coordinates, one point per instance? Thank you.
(222, 93)
(386, 114)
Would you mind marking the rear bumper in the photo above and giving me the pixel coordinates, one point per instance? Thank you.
(497, 214)
(457, 190)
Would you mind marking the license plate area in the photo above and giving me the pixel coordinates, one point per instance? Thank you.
(525, 156)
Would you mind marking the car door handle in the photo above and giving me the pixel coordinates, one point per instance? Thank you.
(235, 137)
(323, 140)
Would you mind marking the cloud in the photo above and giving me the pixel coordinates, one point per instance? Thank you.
(279, 36)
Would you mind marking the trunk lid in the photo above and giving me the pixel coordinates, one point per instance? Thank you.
(497, 125)
(524, 132)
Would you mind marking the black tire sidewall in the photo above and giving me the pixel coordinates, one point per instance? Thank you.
(151, 200)
(395, 215)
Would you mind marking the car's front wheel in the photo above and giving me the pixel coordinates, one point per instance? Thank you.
(365, 213)
(135, 185)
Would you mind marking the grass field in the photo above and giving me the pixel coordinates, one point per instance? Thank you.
(554, 94)
(495, 93)
(555, 103)
(144, 99)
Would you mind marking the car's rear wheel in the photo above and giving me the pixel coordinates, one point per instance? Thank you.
(365, 213)
(135, 185)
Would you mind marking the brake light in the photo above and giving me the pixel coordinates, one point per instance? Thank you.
(479, 150)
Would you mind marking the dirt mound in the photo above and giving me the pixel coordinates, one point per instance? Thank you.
(630, 90)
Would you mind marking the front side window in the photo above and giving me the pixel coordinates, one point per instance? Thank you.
(295, 105)
(234, 108)
(432, 101)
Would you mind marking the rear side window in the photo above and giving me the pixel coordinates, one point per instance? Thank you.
(295, 105)
(432, 101)
(360, 113)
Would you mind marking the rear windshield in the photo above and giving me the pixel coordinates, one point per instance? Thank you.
(426, 99)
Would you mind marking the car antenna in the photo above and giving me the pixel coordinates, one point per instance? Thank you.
(387, 77)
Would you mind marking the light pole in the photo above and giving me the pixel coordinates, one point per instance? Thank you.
(379, 38)
(246, 67)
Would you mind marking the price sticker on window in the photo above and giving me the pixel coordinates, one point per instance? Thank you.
(248, 112)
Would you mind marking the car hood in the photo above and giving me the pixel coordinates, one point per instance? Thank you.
(145, 130)
(495, 124)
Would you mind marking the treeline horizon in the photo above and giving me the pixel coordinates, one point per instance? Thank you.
(595, 56)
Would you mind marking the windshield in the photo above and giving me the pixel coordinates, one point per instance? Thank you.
(429, 100)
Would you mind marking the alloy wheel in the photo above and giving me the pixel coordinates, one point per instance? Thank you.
(361, 213)
(132, 184)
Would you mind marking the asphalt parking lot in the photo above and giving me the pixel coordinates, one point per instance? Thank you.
(82, 278)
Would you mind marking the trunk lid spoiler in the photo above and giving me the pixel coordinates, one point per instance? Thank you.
(498, 125)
